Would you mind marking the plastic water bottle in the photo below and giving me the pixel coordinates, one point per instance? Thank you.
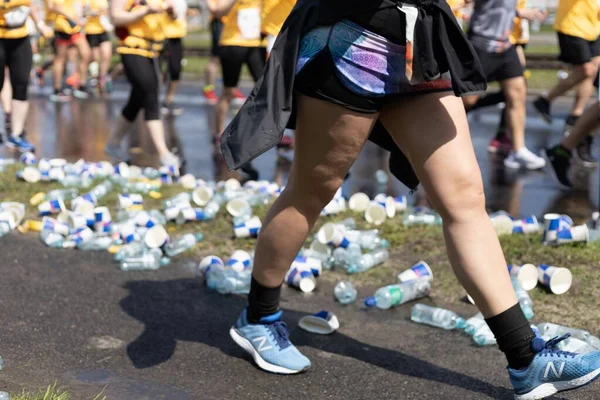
(96, 244)
(437, 317)
(484, 336)
(150, 173)
(368, 261)
(183, 244)
(381, 177)
(574, 345)
(102, 189)
(4, 396)
(138, 187)
(52, 239)
(4, 228)
(62, 194)
(347, 224)
(524, 299)
(549, 330)
(258, 198)
(421, 218)
(345, 292)
(175, 201)
(367, 240)
(129, 250)
(7, 161)
(146, 261)
(1, 363)
(393, 295)
(536, 24)
(228, 281)
(474, 323)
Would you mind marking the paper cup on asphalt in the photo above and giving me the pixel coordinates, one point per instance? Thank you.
(332, 235)
(31, 175)
(82, 235)
(127, 200)
(301, 278)
(359, 202)
(239, 261)
(315, 265)
(526, 225)
(574, 234)
(188, 181)
(51, 207)
(249, 228)
(375, 213)
(156, 237)
(557, 280)
(202, 195)
(238, 208)
(419, 270)
(526, 274)
(9, 218)
(50, 224)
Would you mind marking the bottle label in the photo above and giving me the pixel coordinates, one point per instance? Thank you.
(395, 294)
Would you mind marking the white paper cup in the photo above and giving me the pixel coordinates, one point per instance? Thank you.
(359, 202)
(526, 274)
(55, 226)
(335, 206)
(314, 264)
(321, 323)
(51, 207)
(156, 237)
(503, 224)
(143, 220)
(208, 262)
(526, 225)
(202, 195)
(102, 214)
(551, 226)
(375, 213)
(574, 234)
(76, 221)
(58, 162)
(86, 209)
(401, 203)
(557, 280)
(82, 235)
(122, 169)
(332, 235)
(188, 181)
(419, 270)
(127, 200)
(238, 208)
(232, 184)
(16, 209)
(301, 278)
(8, 217)
(239, 261)
(249, 228)
(127, 233)
(31, 175)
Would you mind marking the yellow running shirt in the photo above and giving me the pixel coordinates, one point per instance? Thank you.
(578, 18)
(145, 36)
(13, 19)
(274, 13)
(242, 26)
(176, 28)
(61, 23)
(520, 32)
(93, 25)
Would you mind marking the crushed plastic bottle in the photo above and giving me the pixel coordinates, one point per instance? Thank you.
(150, 260)
(368, 261)
(102, 189)
(4, 228)
(394, 295)
(549, 330)
(421, 217)
(183, 244)
(367, 240)
(524, 299)
(62, 194)
(101, 243)
(345, 292)
(182, 199)
(52, 239)
(474, 323)
(4, 396)
(129, 250)
(227, 280)
(484, 336)
(79, 181)
(437, 317)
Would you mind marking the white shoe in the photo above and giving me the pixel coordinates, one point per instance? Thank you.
(116, 152)
(169, 160)
(524, 158)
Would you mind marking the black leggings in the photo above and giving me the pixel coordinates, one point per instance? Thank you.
(16, 54)
(172, 55)
(141, 73)
(234, 57)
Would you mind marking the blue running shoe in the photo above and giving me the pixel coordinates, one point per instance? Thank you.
(553, 370)
(269, 344)
(19, 143)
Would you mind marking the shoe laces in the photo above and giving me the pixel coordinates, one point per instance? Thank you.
(550, 347)
(280, 333)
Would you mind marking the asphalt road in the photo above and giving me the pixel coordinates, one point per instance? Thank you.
(72, 317)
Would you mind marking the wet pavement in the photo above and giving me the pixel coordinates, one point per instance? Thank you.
(80, 128)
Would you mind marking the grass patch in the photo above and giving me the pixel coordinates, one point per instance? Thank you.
(407, 246)
(52, 392)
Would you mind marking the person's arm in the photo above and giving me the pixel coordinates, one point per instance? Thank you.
(532, 14)
(220, 8)
(121, 17)
(40, 24)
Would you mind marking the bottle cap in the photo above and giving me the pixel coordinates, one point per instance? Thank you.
(370, 301)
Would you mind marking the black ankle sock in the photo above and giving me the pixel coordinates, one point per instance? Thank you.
(489, 100)
(562, 151)
(262, 301)
(514, 335)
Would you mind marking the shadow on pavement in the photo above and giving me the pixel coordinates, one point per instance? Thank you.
(182, 309)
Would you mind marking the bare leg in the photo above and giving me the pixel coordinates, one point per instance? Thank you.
(578, 74)
(6, 94)
(84, 59)
(433, 132)
(328, 141)
(19, 115)
(515, 93)
(223, 108)
(157, 133)
(121, 129)
(211, 70)
(586, 125)
(59, 65)
(105, 54)
(171, 90)
(583, 95)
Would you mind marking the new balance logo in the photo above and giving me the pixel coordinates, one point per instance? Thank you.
(261, 344)
(557, 373)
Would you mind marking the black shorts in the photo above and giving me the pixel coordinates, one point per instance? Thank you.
(577, 51)
(234, 57)
(522, 45)
(499, 67)
(96, 40)
(216, 27)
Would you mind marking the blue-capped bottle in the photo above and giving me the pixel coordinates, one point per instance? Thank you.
(394, 295)
(368, 261)
(524, 299)
(183, 244)
(150, 260)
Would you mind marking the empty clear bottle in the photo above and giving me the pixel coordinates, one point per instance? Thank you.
(484, 336)
(4, 228)
(96, 244)
(345, 292)
(258, 198)
(549, 330)
(393, 295)
(437, 317)
(62, 194)
(138, 187)
(421, 218)
(182, 199)
(150, 173)
(228, 281)
(52, 239)
(129, 250)
(524, 299)
(146, 261)
(368, 261)
(183, 244)
(348, 223)
(474, 323)
(4, 396)
(1, 363)
(102, 189)
(367, 240)
(76, 181)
